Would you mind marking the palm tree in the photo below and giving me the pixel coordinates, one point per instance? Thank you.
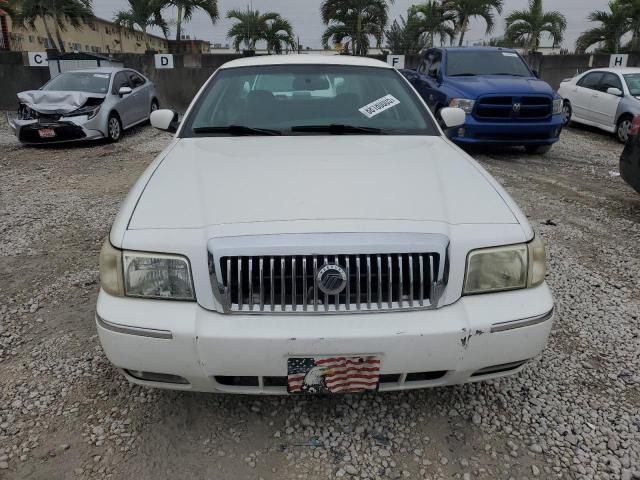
(61, 12)
(432, 20)
(632, 12)
(465, 10)
(186, 9)
(613, 25)
(526, 26)
(143, 14)
(279, 33)
(403, 38)
(251, 27)
(355, 20)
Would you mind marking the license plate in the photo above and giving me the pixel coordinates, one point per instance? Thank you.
(46, 133)
(314, 375)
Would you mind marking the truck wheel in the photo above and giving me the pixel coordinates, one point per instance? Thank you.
(537, 149)
(622, 131)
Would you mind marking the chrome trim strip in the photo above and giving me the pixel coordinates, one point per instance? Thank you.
(524, 322)
(127, 330)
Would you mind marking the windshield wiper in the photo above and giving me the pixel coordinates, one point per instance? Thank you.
(337, 129)
(237, 130)
(511, 74)
(463, 75)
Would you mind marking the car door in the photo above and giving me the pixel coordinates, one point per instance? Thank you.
(140, 96)
(605, 105)
(124, 103)
(583, 94)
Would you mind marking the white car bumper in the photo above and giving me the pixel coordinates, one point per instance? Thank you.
(207, 351)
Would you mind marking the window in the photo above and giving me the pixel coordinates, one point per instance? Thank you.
(294, 99)
(633, 83)
(79, 82)
(591, 80)
(121, 80)
(135, 79)
(462, 63)
(610, 80)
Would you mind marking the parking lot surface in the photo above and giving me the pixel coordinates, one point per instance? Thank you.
(66, 413)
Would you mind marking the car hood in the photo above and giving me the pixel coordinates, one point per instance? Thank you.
(226, 180)
(52, 101)
(474, 87)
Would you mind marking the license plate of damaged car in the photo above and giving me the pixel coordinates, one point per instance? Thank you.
(325, 375)
(47, 133)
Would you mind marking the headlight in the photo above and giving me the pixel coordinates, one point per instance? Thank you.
(463, 103)
(154, 275)
(145, 275)
(505, 268)
(90, 112)
(557, 106)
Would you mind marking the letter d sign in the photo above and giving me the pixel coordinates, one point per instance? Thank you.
(163, 60)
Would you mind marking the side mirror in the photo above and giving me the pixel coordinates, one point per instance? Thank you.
(124, 91)
(614, 91)
(453, 117)
(165, 119)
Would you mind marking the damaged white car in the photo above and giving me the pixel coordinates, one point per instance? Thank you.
(311, 229)
(84, 105)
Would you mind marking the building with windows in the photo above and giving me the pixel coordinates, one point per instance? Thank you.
(97, 36)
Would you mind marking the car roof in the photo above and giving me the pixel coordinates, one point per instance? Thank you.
(303, 59)
(615, 70)
(98, 70)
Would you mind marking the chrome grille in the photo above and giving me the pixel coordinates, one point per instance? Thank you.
(288, 283)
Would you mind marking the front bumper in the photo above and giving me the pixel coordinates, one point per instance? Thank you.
(496, 333)
(630, 164)
(67, 129)
(514, 133)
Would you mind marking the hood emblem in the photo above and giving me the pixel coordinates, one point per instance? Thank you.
(516, 107)
(331, 279)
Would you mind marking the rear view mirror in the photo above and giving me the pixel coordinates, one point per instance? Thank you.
(124, 91)
(453, 117)
(165, 119)
(614, 91)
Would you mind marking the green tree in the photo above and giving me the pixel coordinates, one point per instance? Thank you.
(186, 8)
(631, 10)
(465, 10)
(355, 21)
(143, 14)
(403, 38)
(527, 26)
(60, 12)
(432, 20)
(253, 26)
(608, 35)
(279, 35)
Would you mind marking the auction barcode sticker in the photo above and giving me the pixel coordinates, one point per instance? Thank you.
(379, 106)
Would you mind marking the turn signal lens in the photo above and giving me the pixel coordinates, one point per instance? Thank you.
(111, 269)
(537, 262)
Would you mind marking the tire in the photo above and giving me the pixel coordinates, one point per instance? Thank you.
(154, 105)
(623, 127)
(567, 112)
(537, 149)
(114, 128)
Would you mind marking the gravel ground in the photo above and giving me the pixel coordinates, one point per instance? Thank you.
(65, 413)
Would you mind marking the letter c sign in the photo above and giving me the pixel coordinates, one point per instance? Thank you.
(38, 59)
(163, 60)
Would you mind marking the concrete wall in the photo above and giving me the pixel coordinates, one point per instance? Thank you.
(176, 87)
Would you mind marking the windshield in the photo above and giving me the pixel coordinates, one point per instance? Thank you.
(476, 62)
(79, 82)
(308, 100)
(633, 82)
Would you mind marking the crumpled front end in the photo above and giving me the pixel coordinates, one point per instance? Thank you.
(46, 122)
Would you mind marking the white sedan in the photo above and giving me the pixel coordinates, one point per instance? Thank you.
(606, 98)
(292, 241)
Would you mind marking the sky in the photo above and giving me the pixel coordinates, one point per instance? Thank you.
(305, 17)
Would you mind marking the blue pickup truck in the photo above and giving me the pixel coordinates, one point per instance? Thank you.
(506, 103)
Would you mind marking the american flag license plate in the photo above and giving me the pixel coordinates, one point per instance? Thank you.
(332, 374)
